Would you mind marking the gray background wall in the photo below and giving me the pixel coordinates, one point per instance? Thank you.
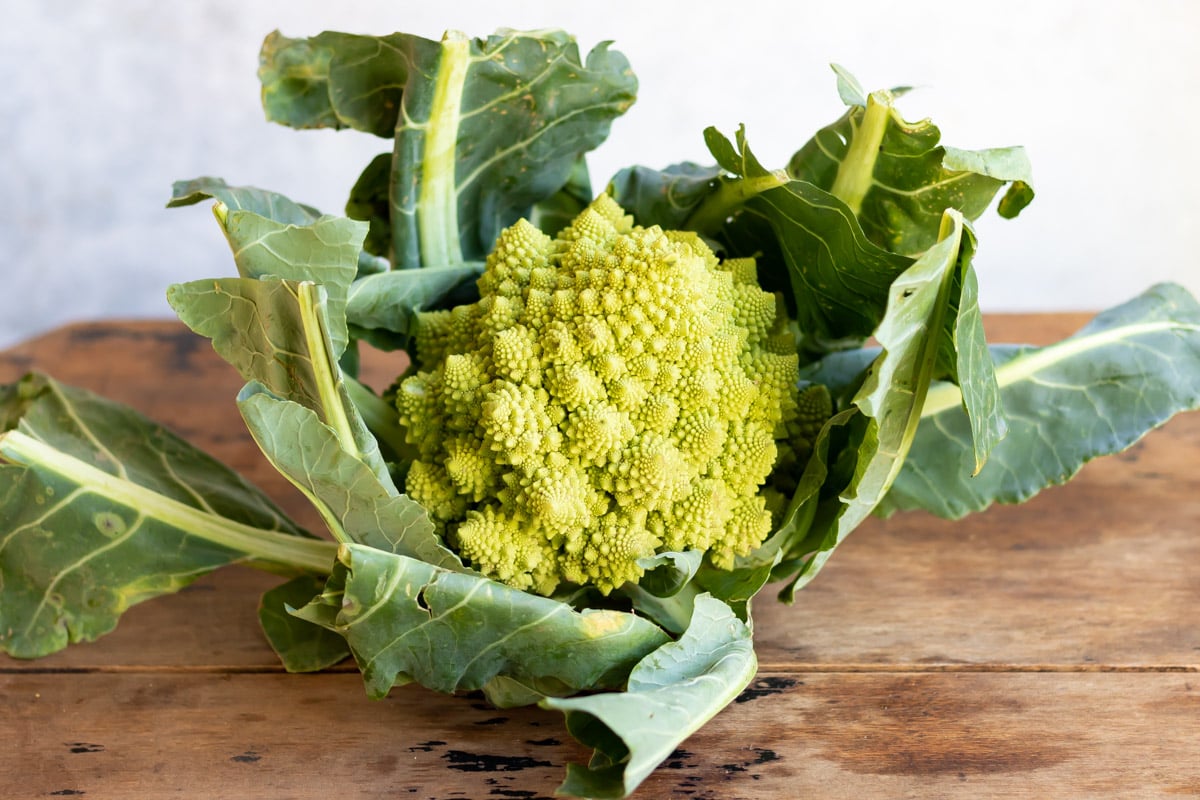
(104, 104)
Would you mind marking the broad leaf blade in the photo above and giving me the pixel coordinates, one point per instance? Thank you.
(335, 80)
(493, 126)
(666, 198)
(897, 177)
(275, 332)
(347, 493)
(671, 694)
(271, 205)
(1096, 393)
(324, 252)
(101, 509)
(484, 128)
(383, 308)
(889, 402)
(450, 631)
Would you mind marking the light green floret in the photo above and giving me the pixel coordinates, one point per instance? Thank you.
(615, 393)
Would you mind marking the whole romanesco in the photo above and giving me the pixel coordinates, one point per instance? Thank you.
(615, 393)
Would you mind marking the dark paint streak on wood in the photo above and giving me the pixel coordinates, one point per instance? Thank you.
(483, 762)
(679, 760)
(551, 742)
(426, 747)
(492, 721)
(85, 747)
(248, 757)
(763, 687)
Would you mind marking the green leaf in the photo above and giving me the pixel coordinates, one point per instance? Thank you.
(271, 205)
(351, 499)
(839, 278)
(325, 252)
(888, 402)
(301, 646)
(383, 308)
(1096, 393)
(276, 332)
(849, 89)
(368, 202)
(670, 695)
(558, 210)
(897, 178)
(484, 128)
(100, 509)
(450, 631)
(666, 198)
(971, 367)
(336, 80)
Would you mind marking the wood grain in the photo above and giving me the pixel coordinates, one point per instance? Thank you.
(947, 735)
(1049, 649)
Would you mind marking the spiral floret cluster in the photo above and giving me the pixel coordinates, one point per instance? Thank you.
(615, 393)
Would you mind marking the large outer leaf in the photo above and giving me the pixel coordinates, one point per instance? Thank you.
(670, 694)
(102, 509)
(874, 442)
(1095, 393)
(485, 128)
(407, 620)
(898, 179)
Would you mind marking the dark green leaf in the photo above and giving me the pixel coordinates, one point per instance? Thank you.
(897, 178)
(484, 128)
(665, 198)
(888, 403)
(408, 620)
(369, 203)
(101, 508)
(1096, 393)
(557, 211)
(301, 646)
(384, 307)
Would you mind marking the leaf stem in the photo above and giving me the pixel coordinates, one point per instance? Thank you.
(856, 173)
(326, 371)
(712, 213)
(438, 217)
(311, 555)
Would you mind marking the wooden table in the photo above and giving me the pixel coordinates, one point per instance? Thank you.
(1047, 650)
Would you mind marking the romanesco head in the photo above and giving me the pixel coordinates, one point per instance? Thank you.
(616, 392)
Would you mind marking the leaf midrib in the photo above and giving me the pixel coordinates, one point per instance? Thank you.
(945, 396)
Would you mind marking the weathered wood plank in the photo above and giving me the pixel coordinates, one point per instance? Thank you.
(794, 735)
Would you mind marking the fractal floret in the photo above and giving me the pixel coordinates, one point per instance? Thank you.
(615, 393)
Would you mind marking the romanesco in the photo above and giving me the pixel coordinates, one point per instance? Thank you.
(615, 392)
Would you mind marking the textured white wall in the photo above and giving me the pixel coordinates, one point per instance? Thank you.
(104, 104)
